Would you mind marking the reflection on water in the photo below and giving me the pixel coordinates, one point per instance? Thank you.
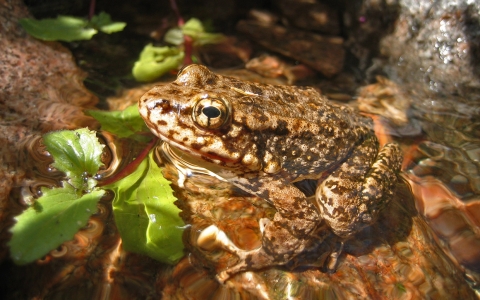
(444, 171)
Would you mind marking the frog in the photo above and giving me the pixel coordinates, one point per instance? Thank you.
(266, 140)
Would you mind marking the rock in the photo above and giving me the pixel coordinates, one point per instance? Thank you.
(322, 53)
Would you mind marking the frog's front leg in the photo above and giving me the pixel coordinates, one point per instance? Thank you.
(352, 197)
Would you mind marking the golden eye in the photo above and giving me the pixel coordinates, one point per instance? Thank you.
(211, 113)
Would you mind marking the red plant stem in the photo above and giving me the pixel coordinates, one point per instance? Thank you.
(188, 49)
(132, 166)
(173, 5)
(187, 41)
(91, 11)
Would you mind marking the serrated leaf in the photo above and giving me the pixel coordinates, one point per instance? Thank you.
(77, 153)
(146, 215)
(123, 123)
(53, 219)
(156, 61)
(63, 28)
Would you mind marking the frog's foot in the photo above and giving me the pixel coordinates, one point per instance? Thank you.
(212, 238)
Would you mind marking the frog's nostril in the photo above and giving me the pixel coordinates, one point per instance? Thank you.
(161, 104)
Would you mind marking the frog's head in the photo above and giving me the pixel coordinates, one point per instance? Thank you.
(194, 114)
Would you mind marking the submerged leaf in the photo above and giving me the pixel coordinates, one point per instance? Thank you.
(52, 220)
(146, 215)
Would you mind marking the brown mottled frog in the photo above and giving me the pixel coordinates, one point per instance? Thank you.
(264, 139)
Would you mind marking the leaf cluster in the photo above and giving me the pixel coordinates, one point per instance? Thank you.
(143, 206)
(60, 212)
(157, 61)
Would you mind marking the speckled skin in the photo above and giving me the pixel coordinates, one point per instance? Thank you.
(263, 138)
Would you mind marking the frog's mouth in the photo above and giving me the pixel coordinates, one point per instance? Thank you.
(200, 157)
(190, 163)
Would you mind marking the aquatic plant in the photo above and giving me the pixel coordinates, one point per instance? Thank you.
(143, 205)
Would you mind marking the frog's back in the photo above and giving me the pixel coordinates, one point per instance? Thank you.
(282, 102)
(304, 131)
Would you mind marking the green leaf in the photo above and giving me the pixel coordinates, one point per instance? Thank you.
(113, 27)
(77, 153)
(174, 36)
(156, 61)
(63, 28)
(68, 28)
(52, 220)
(146, 215)
(195, 29)
(123, 123)
(104, 23)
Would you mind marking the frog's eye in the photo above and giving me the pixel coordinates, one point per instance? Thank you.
(211, 113)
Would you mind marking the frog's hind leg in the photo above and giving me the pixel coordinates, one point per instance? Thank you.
(283, 238)
(352, 197)
(212, 238)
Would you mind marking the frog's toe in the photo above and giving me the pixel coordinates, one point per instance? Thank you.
(212, 238)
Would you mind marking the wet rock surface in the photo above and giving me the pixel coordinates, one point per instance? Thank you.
(434, 47)
(325, 53)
